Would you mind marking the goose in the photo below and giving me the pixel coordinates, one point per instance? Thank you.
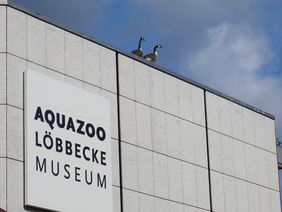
(138, 52)
(153, 56)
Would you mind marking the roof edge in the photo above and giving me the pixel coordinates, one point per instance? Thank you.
(106, 45)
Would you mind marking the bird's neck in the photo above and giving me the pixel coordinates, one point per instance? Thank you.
(155, 50)
(139, 44)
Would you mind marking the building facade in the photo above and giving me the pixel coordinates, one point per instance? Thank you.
(177, 146)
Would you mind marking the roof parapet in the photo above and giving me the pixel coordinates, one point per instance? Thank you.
(128, 54)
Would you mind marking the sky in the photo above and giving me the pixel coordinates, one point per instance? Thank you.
(234, 46)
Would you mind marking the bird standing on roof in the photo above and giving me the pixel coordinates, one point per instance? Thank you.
(153, 56)
(138, 52)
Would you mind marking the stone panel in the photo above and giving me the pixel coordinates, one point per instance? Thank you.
(161, 205)
(16, 32)
(187, 141)
(215, 150)
(242, 195)
(262, 158)
(264, 199)
(173, 136)
(230, 194)
(15, 186)
(129, 166)
(191, 209)
(227, 155)
(185, 100)
(15, 70)
(15, 144)
(55, 39)
(91, 63)
(200, 145)
(251, 163)
(130, 201)
(175, 180)
(175, 207)
(203, 199)
(73, 56)
(126, 77)
(253, 197)
(114, 114)
(171, 95)
(116, 199)
(259, 130)
(160, 176)
(275, 204)
(108, 69)
(270, 140)
(143, 126)
(272, 167)
(36, 41)
(198, 106)
(237, 121)
(158, 131)
(3, 136)
(3, 82)
(239, 159)
(3, 179)
(3, 25)
(142, 83)
(248, 125)
(157, 89)
(128, 120)
(217, 192)
(189, 184)
(225, 116)
(213, 113)
(146, 203)
(145, 171)
(115, 162)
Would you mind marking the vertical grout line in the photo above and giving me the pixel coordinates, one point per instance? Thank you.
(82, 53)
(65, 56)
(151, 128)
(135, 112)
(6, 107)
(208, 153)
(165, 123)
(45, 33)
(119, 133)
(99, 68)
(26, 38)
(233, 154)
(24, 87)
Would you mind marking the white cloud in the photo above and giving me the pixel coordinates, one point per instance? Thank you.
(232, 60)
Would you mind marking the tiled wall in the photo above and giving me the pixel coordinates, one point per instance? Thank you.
(242, 158)
(164, 159)
(39, 46)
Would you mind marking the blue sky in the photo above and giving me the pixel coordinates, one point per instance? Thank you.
(234, 46)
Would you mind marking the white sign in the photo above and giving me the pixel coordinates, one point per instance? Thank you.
(67, 147)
